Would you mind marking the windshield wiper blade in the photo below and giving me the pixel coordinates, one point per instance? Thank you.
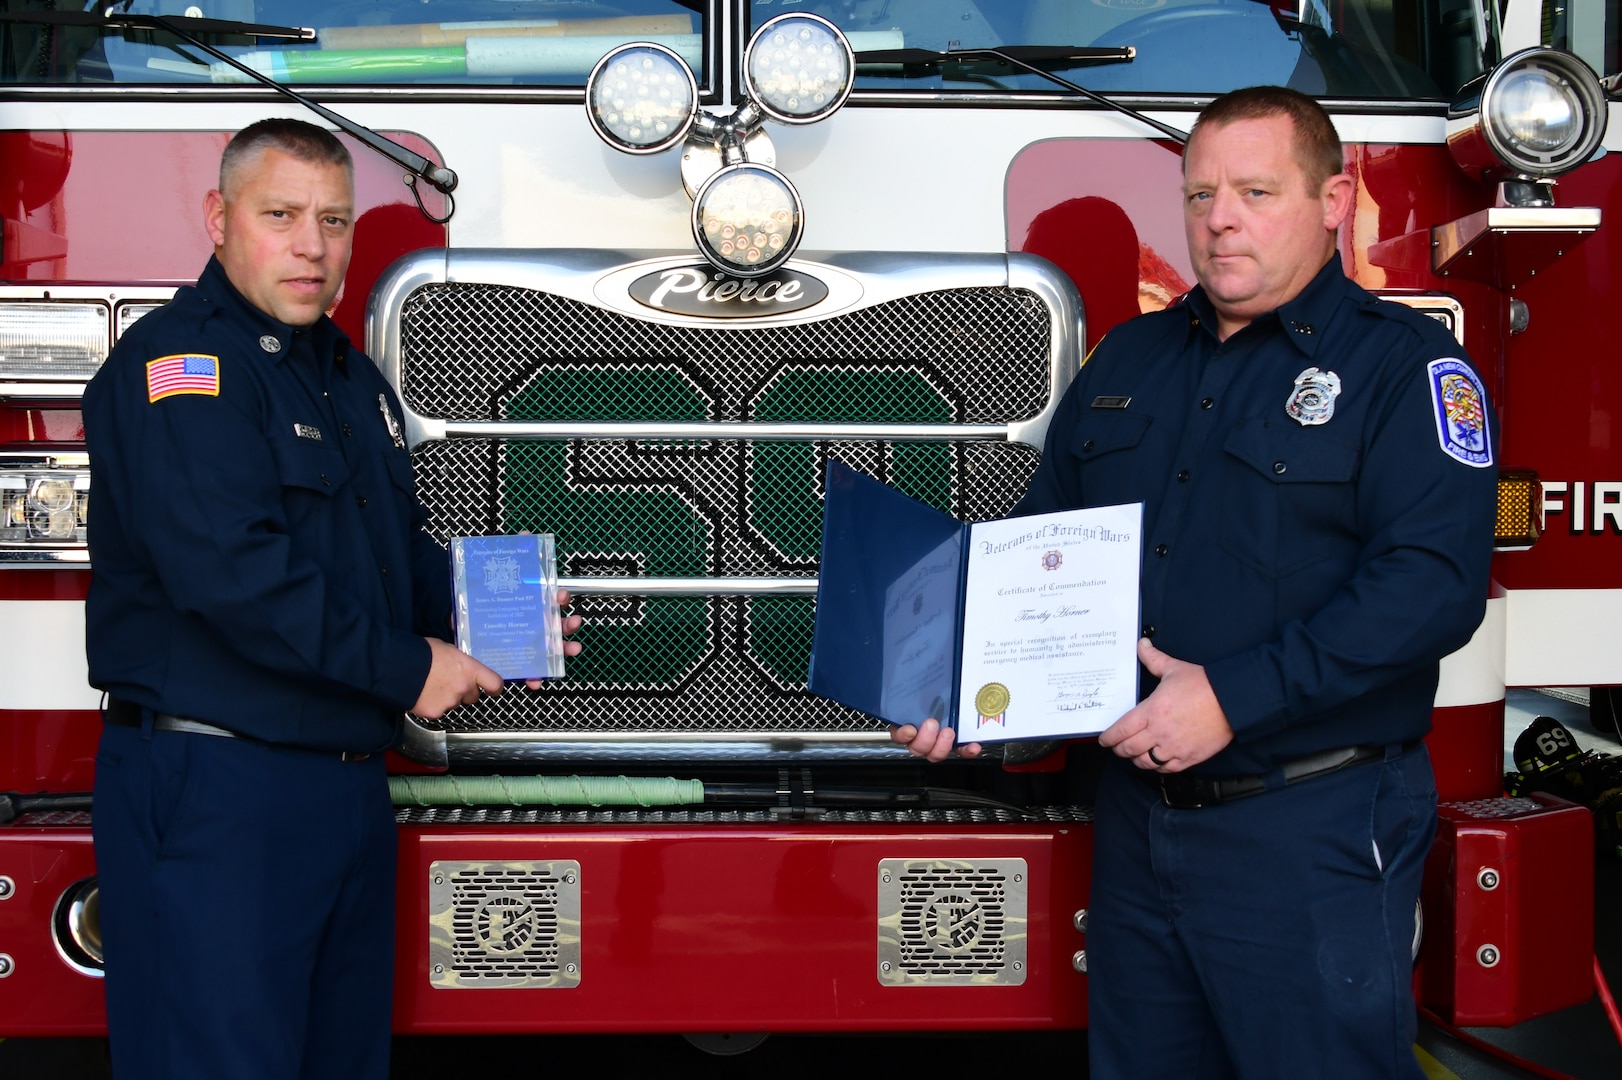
(1026, 57)
(115, 21)
(1032, 54)
(187, 29)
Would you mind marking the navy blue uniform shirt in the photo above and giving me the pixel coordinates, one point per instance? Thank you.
(258, 554)
(1318, 571)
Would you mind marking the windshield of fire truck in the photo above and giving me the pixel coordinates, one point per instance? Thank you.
(539, 43)
(1370, 49)
(1332, 48)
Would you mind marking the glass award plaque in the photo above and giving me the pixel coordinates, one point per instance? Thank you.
(506, 604)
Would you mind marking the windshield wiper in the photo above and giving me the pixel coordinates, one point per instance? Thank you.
(1026, 57)
(187, 29)
(115, 21)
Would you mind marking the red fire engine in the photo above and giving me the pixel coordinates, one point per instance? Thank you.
(652, 265)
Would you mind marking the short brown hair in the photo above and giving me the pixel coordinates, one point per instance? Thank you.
(1317, 146)
(297, 139)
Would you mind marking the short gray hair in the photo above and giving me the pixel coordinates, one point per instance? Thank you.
(297, 139)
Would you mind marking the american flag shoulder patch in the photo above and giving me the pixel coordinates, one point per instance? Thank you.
(186, 373)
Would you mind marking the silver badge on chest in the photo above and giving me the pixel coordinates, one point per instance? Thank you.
(1313, 400)
(389, 421)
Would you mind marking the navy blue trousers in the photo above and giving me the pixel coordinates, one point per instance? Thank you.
(247, 908)
(1267, 937)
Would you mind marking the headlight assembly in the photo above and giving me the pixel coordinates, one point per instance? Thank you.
(1537, 115)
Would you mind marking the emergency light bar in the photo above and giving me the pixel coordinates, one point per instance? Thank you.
(642, 98)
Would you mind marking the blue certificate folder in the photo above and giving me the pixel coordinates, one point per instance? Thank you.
(889, 619)
(506, 604)
(1052, 600)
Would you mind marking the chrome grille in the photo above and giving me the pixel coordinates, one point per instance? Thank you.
(682, 663)
(491, 352)
(646, 505)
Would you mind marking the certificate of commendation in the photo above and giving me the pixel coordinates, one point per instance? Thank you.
(1019, 628)
(506, 604)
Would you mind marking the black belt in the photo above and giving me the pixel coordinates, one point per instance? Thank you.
(1180, 791)
(128, 714)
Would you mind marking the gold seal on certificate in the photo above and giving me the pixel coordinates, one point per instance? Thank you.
(991, 702)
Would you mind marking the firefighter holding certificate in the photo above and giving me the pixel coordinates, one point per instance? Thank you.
(1319, 486)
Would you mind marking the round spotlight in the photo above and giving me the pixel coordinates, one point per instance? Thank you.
(1538, 114)
(641, 98)
(798, 68)
(747, 219)
(76, 927)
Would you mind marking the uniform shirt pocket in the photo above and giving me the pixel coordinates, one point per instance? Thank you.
(1292, 500)
(1101, 447)
(307, 464)
(310, 476)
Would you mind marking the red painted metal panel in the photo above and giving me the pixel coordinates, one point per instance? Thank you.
(1562, 409)
(48, 749)
(737, 928)
(30, 425)
(148, 226)
(44, 584)
(1494, 951)
(43, 995)
(1466, 745)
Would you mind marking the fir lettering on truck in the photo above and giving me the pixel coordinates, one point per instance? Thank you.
(1588, 507)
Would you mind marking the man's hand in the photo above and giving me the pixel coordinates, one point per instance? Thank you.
(454, 678)
(931, 740)
(571, 624)
(1179, 725)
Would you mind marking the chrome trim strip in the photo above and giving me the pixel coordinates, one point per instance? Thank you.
(44, 459)
(18, 558)
(691, 586)
(469, 429)
(30, 390)
(543, 746)
(111, 295)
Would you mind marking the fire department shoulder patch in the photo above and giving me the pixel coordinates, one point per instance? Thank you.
(1460, 406)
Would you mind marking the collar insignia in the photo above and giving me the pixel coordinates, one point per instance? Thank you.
(1313, 401)
(270, 344)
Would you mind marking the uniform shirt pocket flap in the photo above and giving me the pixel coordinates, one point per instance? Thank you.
(1104, 433)
(309, 465)
(400, 470)
(1303, 456)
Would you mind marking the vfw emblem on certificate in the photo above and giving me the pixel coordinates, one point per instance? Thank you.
(501, 574)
